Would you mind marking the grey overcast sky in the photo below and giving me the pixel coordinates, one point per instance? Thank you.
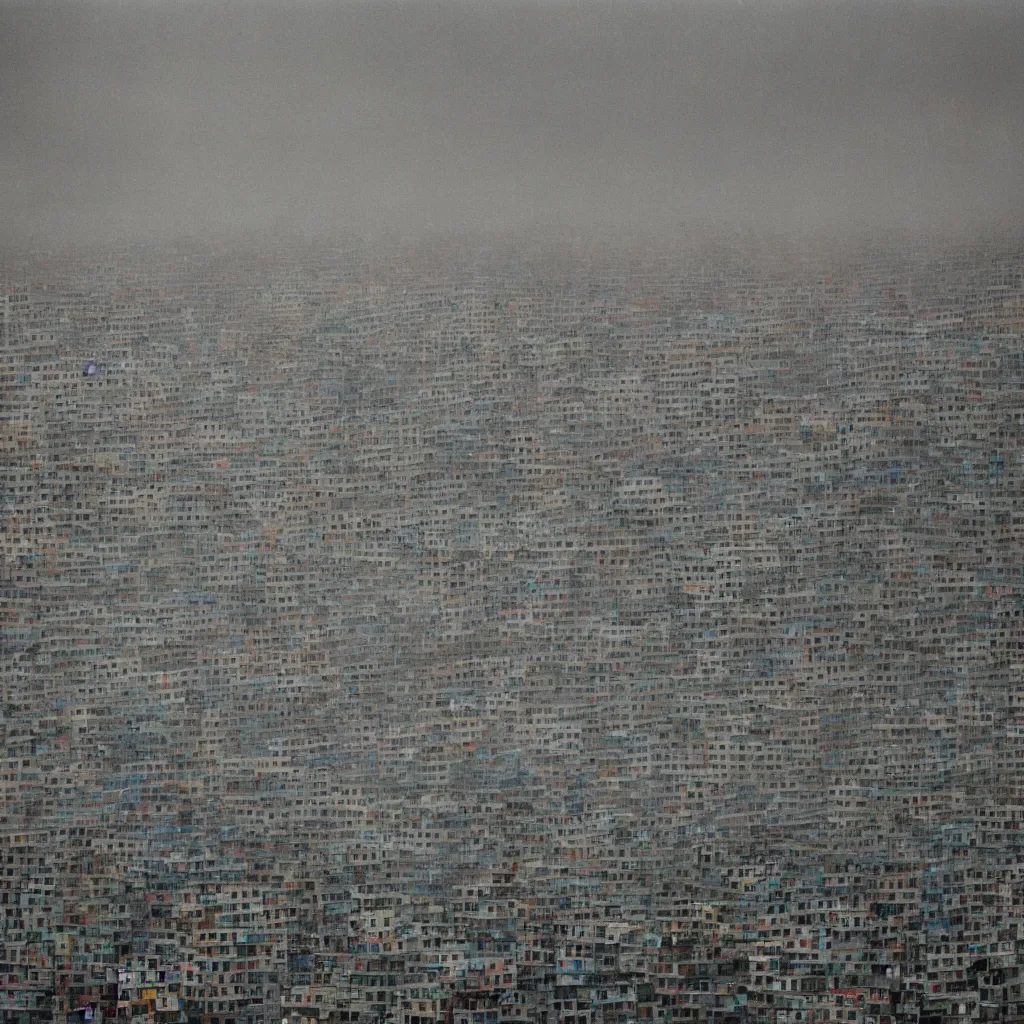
(182, 117)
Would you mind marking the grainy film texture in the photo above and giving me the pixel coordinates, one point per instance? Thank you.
(511, 513)
(504, 633)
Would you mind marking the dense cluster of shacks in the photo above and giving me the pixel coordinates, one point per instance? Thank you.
(475, 633)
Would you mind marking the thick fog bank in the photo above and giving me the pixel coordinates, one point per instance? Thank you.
(181, 118)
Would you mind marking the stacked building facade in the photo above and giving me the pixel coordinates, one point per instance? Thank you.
(473, 633)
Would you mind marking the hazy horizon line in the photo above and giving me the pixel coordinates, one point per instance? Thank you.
(440, 116)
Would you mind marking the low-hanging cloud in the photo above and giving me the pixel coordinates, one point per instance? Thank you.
(175, 117)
